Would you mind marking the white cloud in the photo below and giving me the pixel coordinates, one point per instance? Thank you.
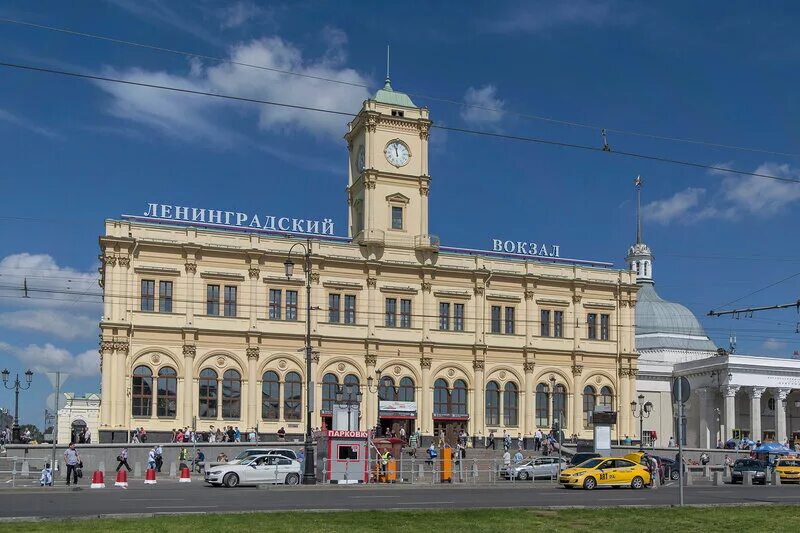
(11, 118)
(483, 107)
(538, 16)
(61, 324)
(48, 358)
(187, 116)
(678, 207)
(240, 13)
(161, 12)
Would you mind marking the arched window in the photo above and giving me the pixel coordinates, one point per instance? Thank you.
(142, 392)
(329, 382)
(167, 399)
(351, 385)
(440, 397)
(492, 404)
(387, 392)
(231, 394)
(589, 401)
(406, 392)
(606, 398)
(542, 393)
(560, 401)
(207, 397)
(270, 396)
(292, 397)
(510, 404)
(458, 398)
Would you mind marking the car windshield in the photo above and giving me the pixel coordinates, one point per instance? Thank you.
(244, 454)
(789, 462)
(591, 463)
(746, 464)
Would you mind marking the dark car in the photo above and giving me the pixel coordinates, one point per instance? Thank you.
(670, 470)
(741, 466)
(578, 458)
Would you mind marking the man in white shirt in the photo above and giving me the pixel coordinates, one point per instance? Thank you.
(537, 440)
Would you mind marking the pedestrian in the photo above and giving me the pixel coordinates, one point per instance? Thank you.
(627, 440)
(142, 435)
(72, 459)
(537, 440)
(671, 443)
(251, 436)
(506, 459)
(728, 464)
(655, 475)
(135, 436)
(431, 454)
(545, 447)
(412, 445)
(520, 442)
(518, 457)
(506, 441)
(151, 459)
(231, 434)
(704, 459)
(237, 435)
(46, 478)
(403, 433)
(122, 460)
(491, 440)
(183, 455)
(218, 436)
(281, 434)
(159, 459)
(87, 436)
(301, 456)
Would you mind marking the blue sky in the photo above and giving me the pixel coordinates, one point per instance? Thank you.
(77, 152)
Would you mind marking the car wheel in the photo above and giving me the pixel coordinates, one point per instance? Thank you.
(637, 483)
(293, 479)
(523, 476)
(674, 475)
(230, 480)
(589, 483)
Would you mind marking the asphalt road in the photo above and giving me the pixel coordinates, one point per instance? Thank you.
(170, 497)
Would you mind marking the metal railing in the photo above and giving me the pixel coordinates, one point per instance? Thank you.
(14, 470)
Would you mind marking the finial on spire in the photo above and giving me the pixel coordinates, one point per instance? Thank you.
(387, 86)
(638, 182)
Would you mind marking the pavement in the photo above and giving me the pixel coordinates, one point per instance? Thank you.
(171, 497)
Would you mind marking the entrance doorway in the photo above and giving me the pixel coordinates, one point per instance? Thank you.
(78, 434)
(448, 430)
(390, 427)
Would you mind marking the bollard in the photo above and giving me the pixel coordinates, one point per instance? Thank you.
(776, 478)
(173, 469)
(137, 469)
(718, 479)
(26, 469)
(747, 478)
(688, 478)
(706, 471)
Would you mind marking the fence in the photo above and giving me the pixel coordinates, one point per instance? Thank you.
(14, 470)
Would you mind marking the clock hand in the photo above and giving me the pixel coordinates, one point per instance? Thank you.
(395, 151)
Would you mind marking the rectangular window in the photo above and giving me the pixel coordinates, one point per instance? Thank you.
(591, 325)
(165, 296)
(212, 300)
(291, 305)
(496, 312)
(391, 312)
(397, 217)
(458, 317)
(349, 308)
(274, 304)
(509, 320)
(230, 300)
(334, 302)
(544, 329)
(604, 320)
(558, 324)
(148, 295)
(444, 316)
(405, 313)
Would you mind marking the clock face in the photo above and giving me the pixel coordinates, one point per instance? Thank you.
(360, 159)
(396, 153)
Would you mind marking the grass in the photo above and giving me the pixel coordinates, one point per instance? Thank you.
(707, 519)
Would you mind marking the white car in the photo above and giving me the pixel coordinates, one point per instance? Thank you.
(255, 471)
(251, 452)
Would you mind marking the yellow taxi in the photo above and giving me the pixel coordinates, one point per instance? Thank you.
(788, 468)
(605, 471)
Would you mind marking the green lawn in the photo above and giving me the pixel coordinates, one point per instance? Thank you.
(710, 519)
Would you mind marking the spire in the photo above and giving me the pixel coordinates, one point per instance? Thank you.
(638, 182)
(639, 258)
(387, 86)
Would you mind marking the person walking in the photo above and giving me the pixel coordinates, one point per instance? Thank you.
(151, 459)
(506, 441)
(520, 442)
(159, 459)
(506, 459)
(412, 445)
(72, 459)
(537, 440)
(491, 440)
(237, 435)
(122, 460)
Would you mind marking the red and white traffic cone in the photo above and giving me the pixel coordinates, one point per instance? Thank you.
(150, 476)
(122, 479)
(186, 475)
(97, 480)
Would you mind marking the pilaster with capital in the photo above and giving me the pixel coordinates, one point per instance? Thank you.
(577, 399)
(479, 396)
(372, 400)
(425, 396)
(623, 387)
(780, 413)
(106, 392)
(529, 400)
(729, 393)
(755, 412)
(373, 307)
(253, 379)
(189, 352)
(191, 290)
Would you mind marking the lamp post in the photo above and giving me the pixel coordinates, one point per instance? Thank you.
(370, 381)
(17, 387)
(309, 472)
(556, 423)
(645, 408)
(352, 399)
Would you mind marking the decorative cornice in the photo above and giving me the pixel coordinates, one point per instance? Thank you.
(191, 267)
(478, 364)
(425, 362)
(252, 352)
(370, 359)
(254, 273)
(527, 366)
(189, 350)
(106, 346)
(577, 370)
(121, 346)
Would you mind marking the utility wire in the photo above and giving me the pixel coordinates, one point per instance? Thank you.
(647, 157)
(756, 292)
(452, 101)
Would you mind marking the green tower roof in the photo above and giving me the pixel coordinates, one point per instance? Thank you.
(387, 95)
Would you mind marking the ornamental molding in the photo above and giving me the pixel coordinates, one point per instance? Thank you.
(577, 370)
(254, 273)
(479, 291)
(425, 362)
(125, 261)
(191, 268)
(370, 359)
(110, 260)
(730, 390)
(783, 393)
(155, 358)
(252, 352)
(372, 282)
(633, 372)
(315, 276)
(756, 392)
(427, 286)
(576, 298)
(624, 372)
(478, 364)
(121, 346)
(528, 367)
(106, 346)
(315, 357)
(189, 350)
(221, 361)
(529, 295)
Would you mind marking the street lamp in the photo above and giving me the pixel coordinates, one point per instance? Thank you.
(370, 381)
(309, 473)
(556, 423)
(645, 408)
(350, 402)
(17, 387)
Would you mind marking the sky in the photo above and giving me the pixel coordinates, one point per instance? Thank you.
(75, 152)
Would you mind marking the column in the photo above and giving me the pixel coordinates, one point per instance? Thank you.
(252, 386)
(529, 400)
(632, 373)
(372, 403)
(624, 403)
(425, 409)
(121, 372)
(704, 396)
(189, 351)
(478, 427)
(480, 314)
(191, 294)
(428, 310)
(780, 414)
(373, 307)
(755, 412)
(316, 419)
(729, 391)
(252, 305)
(108, 301)
(577, 400)
(106, 392)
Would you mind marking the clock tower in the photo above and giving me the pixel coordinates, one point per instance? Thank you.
(388, 181)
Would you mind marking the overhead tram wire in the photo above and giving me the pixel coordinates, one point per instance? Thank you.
(714, 310)
(521, 138)
(451, 101)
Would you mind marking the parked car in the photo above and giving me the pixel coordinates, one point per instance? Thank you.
(670, 470)
(788, 468)
(758, 469)
(255, 471)
(251, 452)
(602, 471)
(578, 458)
(540, 467)
(638, 457)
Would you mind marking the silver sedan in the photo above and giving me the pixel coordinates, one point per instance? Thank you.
(540, 467)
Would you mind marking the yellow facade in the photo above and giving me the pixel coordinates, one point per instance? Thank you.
(391, 257)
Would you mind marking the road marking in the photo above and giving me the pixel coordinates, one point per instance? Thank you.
(621, 499)
(152, 499)
(362, 497)
(184, 507)
(423, 503)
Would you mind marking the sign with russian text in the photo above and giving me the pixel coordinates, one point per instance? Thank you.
(391, 406)
(348, 434)
(237, 219)
(526, 248)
